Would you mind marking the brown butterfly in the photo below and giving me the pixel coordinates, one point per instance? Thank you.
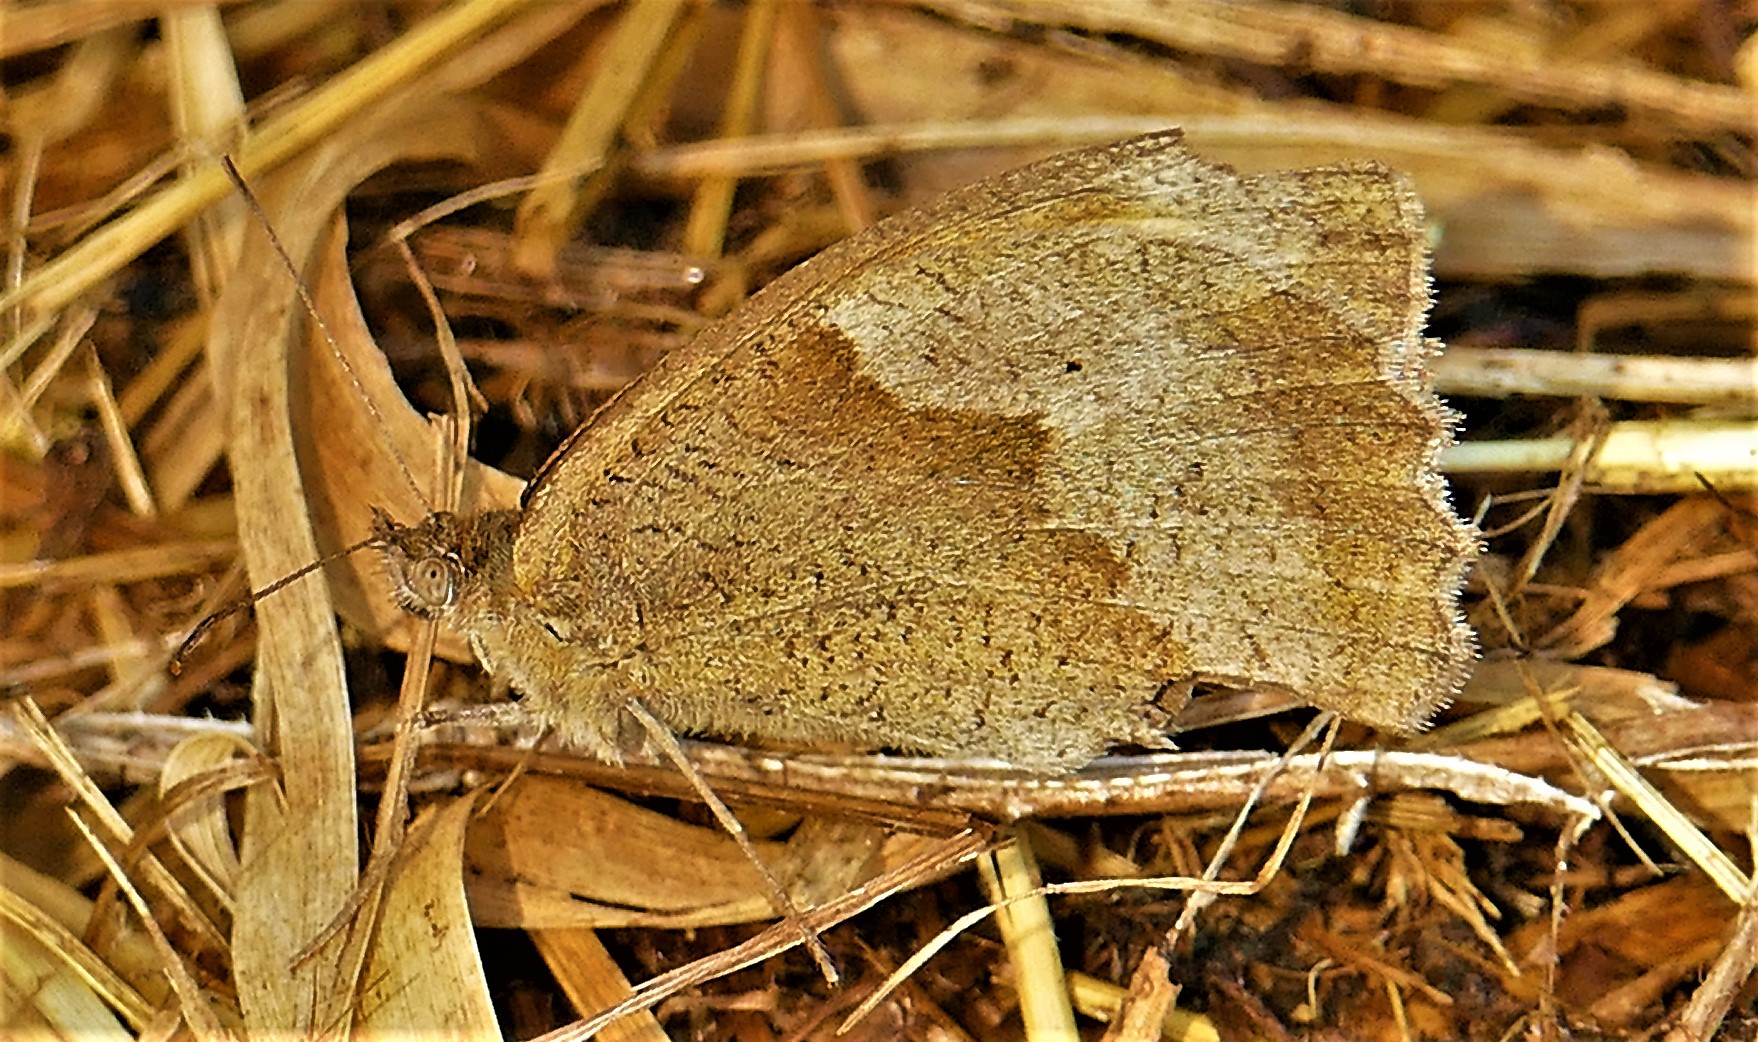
(1005, 477)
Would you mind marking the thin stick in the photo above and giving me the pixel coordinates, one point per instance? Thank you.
(1727, 977)
(359, 914)
(778, 938)
(1329, 723)
(1207, 885)
(192, 1002)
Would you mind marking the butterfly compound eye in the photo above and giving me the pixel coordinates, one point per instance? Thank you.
(433, 581)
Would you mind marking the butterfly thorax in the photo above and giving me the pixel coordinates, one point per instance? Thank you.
(550, 643)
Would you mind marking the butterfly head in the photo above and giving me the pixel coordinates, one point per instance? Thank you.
(447, 566)
(425, 561)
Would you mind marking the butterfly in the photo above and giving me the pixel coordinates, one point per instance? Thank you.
(1008, 476)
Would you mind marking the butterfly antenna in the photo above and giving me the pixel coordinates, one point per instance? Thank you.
(323, 328)
(201, 628)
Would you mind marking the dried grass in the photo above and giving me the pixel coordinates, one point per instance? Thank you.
(1569, 854)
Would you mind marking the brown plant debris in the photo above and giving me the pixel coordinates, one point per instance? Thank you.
(1566, 853)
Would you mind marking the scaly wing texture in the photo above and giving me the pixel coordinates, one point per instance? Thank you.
(997, 476)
